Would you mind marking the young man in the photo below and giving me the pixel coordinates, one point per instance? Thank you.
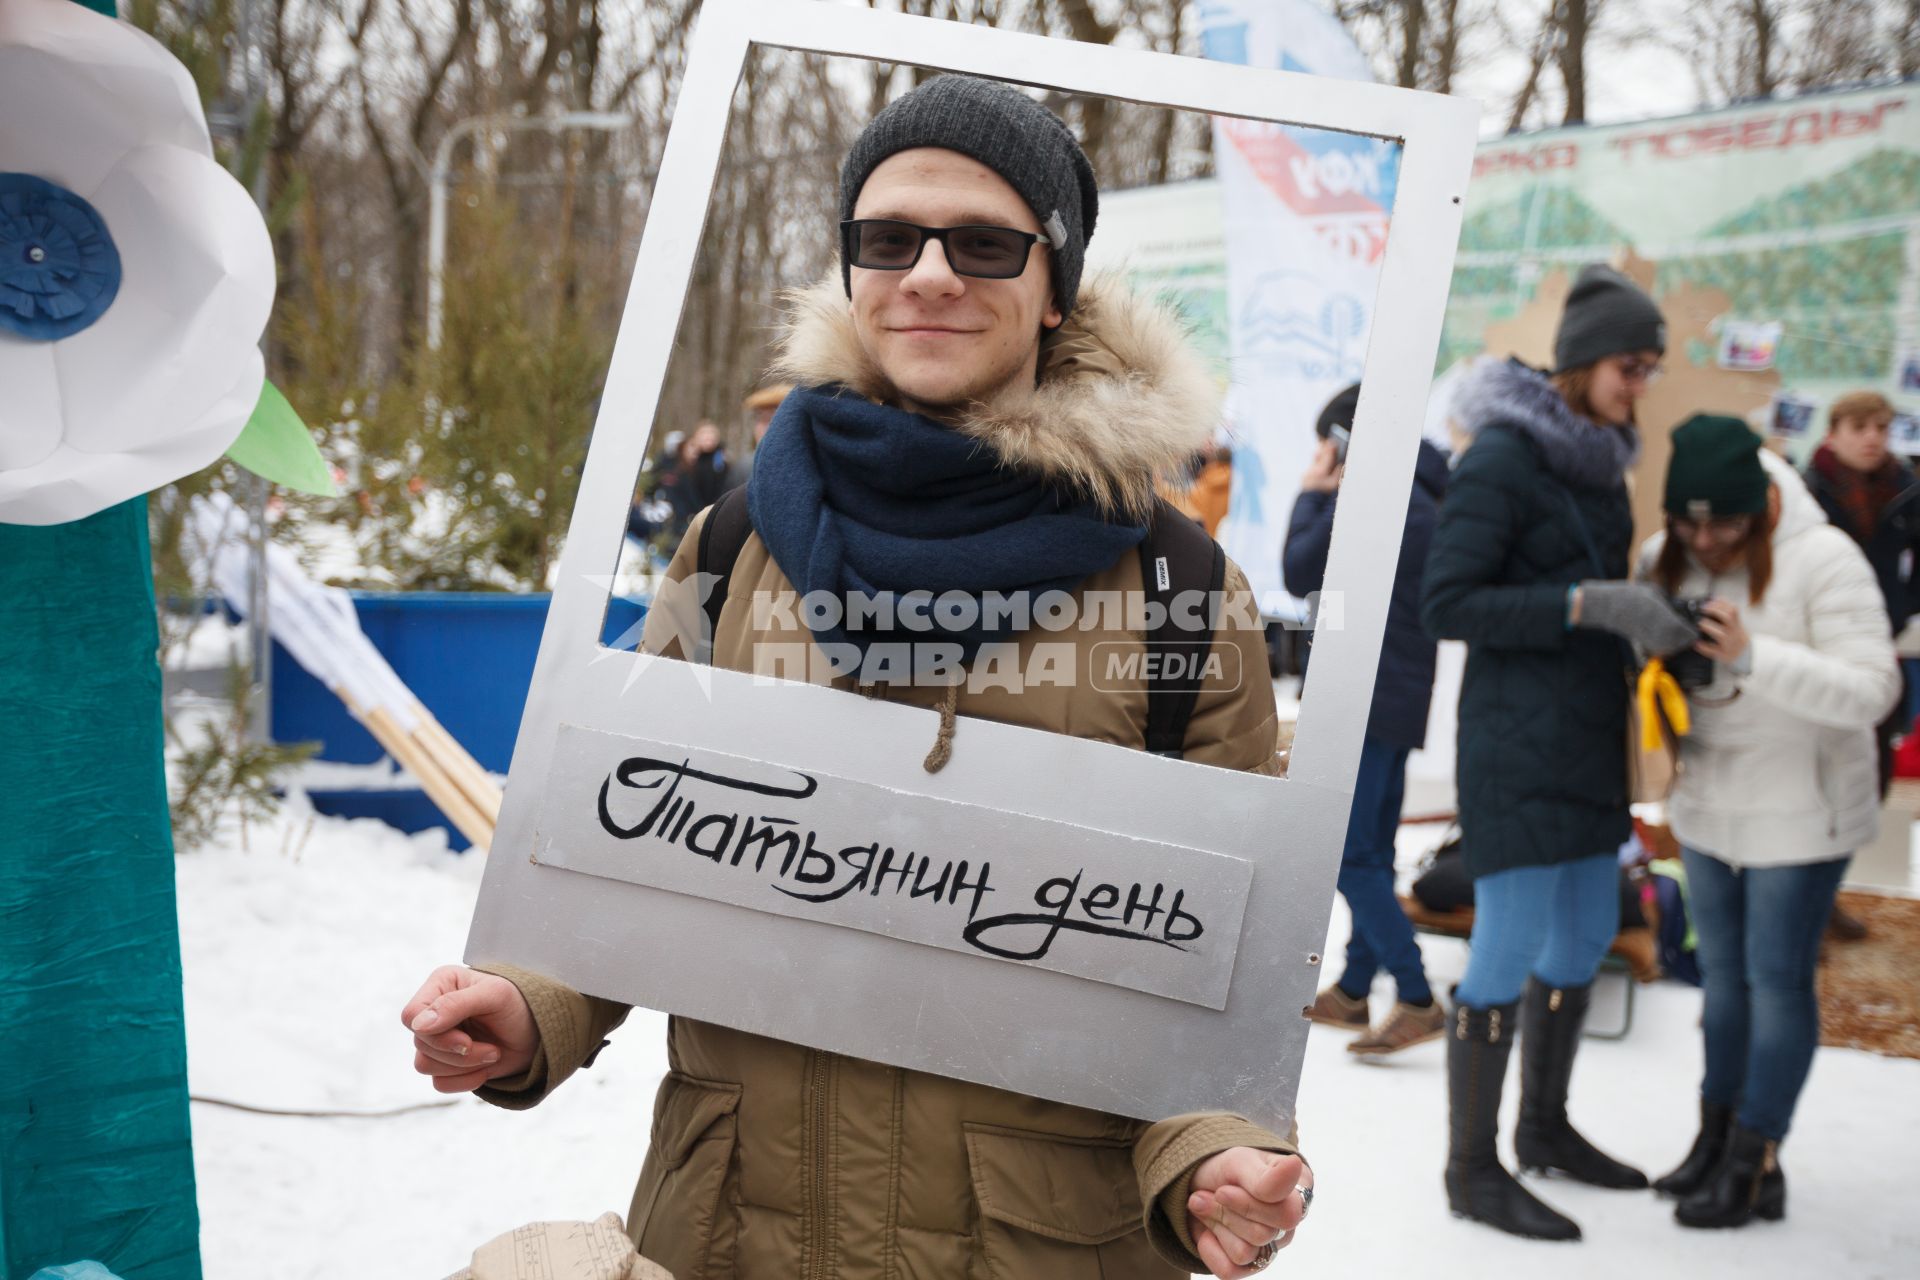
(759, 407)
(1402, 690)
(1868, 493)
(968, 419)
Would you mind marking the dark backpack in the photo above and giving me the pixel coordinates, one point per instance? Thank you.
(1176, 556)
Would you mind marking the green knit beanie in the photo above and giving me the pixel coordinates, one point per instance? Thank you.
(1715, 469)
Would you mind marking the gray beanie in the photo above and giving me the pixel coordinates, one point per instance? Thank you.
(1606, 314)
(1012, 135)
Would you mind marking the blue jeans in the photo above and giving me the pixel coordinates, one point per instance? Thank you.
(1759, 938)
(1552, 922)
(1382, 938)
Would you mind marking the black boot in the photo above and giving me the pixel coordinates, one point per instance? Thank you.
(1708, 1146)
(1746, 1184)
(1479, 1042)
(1544, 1139)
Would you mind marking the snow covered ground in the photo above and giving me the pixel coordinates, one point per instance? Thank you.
(301, 948)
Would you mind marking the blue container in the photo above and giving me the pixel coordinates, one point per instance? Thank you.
(467, 656)
(407, 810)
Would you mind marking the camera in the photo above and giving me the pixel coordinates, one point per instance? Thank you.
(1689, 668)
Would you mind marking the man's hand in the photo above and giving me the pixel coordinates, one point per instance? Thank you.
(1243, 1199)
(1323, 473)
(469, 1028)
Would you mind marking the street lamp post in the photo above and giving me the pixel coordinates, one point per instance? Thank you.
(442, 172)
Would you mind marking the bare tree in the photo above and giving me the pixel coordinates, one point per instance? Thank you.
(1847, 42)
(1412, 30)
(1576, 21)
(1758, 48)
(1762, 30)
(397, 125)
(1445, 57)
(1540, 48)
(1419, 44)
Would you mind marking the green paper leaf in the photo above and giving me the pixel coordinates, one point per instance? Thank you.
(276, 445)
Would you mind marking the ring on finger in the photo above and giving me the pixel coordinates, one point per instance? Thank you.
(1265, 1254)
(1306, 1201)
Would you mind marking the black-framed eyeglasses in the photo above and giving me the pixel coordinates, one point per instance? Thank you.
(987, 253)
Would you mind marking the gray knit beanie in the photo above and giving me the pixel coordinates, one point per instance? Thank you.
(1606, 315)
(1012, 135)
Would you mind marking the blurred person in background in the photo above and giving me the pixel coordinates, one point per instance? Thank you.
(1529, 567)
(697, 475)
(651, 512)
(762, 405)
(1869, 495)
(1776, 788)
(1209, 486)
(759, 407)
(1382, 938)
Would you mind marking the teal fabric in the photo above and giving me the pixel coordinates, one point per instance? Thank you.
(95, 1154)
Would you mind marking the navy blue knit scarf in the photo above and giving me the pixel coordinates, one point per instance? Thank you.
(862, 500)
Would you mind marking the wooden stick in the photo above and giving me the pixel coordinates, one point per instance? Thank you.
(433, 780)
(459, 765)
(474, 784)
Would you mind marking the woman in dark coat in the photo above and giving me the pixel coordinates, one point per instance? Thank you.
(1528, 567)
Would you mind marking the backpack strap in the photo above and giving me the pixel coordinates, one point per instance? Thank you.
(721, 538)
(1177, 556)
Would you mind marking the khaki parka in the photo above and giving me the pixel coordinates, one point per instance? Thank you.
(772, 1161)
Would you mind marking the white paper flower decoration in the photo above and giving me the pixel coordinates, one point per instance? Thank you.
(136, 275)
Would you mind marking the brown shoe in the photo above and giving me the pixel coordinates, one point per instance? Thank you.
(1641, 952)
(1405, 1027)
(1843, 926)
(1335, 1008)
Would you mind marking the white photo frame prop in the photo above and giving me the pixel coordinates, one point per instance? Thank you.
(1118, 1024)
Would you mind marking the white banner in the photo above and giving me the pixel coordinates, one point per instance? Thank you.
(1306, 215)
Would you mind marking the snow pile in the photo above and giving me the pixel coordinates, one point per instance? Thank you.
(299, 952)
(301, 948)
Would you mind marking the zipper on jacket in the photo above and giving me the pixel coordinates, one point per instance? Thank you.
(817, 1228)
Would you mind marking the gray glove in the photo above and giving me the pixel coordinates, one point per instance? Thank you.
(1637, 611)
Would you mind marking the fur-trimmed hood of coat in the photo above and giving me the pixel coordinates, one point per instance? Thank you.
(1574, 449)
(1123, 399)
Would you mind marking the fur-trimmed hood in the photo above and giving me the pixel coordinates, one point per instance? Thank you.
(1507, 392)
(1123, 399)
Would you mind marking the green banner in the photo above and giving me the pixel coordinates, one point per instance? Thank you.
(1804, 212)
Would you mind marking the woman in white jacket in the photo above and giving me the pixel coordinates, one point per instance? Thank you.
(1777, 786)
